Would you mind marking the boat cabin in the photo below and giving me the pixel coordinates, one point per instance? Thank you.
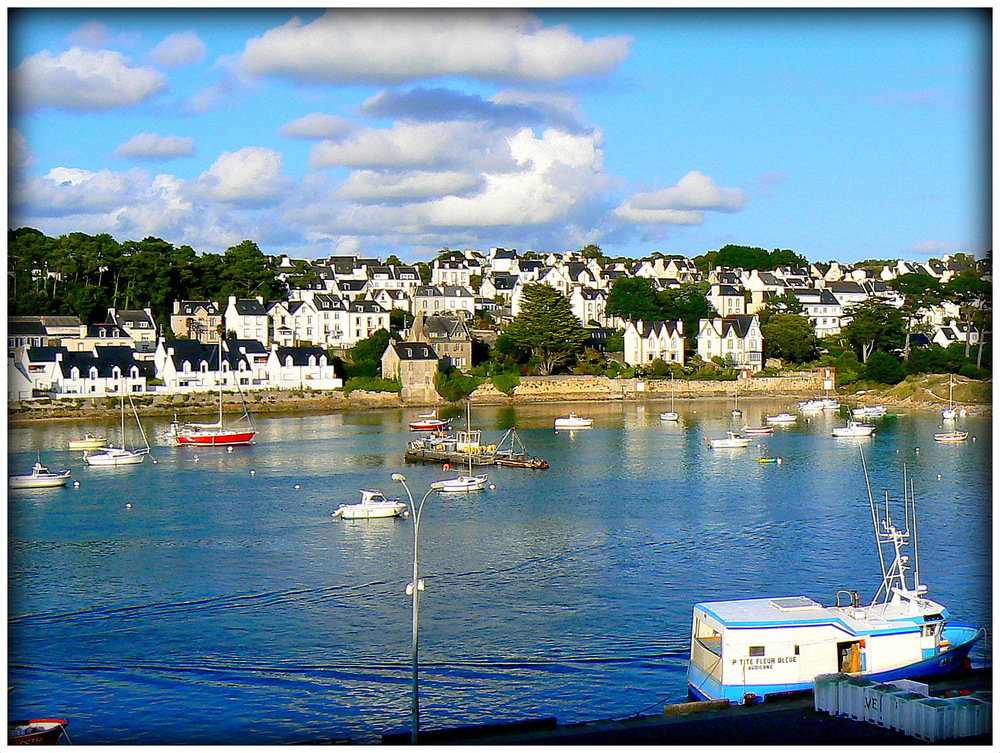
(764, 646)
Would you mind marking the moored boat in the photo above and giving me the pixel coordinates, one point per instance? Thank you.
(463, 483)
(216, 433)
(39, 478)
(115, 456)
(669, 415)
(35, 731)
(748, 649)
(869, 411)
(758, 430)
(732, 440)
(573, 421)
(429, 422)
(853, 429)
(781, 418)
(373, 504)
(89, 442)
(951, 436)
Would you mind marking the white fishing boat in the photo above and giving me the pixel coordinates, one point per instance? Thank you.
(373, 504)
(670, 415)
(951, 436)
(758, 430)
(749, 649)
(781, 418)
(853, 429)
(811, 406)
(429, 422)
(732, 440)
(573, 421)
(950, 413)
(89, 442)
(115, 456)
(39, 478)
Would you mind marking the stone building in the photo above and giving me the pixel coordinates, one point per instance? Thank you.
(414, 365)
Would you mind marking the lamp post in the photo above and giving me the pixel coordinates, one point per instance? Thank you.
(414, 589)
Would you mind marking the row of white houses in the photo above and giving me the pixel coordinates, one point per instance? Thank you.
(736, 339)
(177, 366)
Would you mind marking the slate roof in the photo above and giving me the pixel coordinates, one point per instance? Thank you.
(329, 302)
(408, 351)
(250, 307)
(366, 307)
(445, 327)
(670, 329)
(106, 330)
(738, 323)
(105, 360)
(300, 354)
(45, 353)
(132, 318)
(353, 286)
(26, 328)
(729, 290)
(191, 308)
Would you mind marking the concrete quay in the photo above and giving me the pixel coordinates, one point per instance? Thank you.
(787, 721)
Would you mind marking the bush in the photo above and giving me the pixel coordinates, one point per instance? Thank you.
(883, 368)
(506, 382)
(453, 385)
(371, 384)
(973, 372)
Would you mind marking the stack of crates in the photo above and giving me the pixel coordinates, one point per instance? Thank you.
(904, 709)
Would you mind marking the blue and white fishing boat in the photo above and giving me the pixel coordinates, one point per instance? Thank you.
(749, 649)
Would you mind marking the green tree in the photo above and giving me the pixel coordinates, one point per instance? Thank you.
(744, 257)
(633, 298)
(918, 291)
(453, 385)
(393, 261)
(786, 303)
(248, 272)
(365, 356)
(790, 337)
(884, 368)
(874, 325)
(400, 319)
(972, 295)
(688, 303)
(782, 257)
(547, 327)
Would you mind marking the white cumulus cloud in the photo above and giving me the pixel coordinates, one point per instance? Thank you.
(80, 79)
(317, 125)
(19, 156)
(182, 48)
(395, 45)
(151, 146)
(683, 204)
(371, 186)
(250, 176)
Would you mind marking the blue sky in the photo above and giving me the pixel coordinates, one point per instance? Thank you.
(839, 134)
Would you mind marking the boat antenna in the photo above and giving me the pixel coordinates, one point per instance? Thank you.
(874, 512)
(916, 549)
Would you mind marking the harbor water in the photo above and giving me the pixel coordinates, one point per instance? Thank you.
(209, 597)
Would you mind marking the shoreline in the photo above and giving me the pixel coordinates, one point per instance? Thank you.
(200, 404)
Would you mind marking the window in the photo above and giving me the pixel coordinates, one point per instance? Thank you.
(756, 650)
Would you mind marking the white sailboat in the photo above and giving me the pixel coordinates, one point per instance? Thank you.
(950, 413)
(115, 456)
(670, 415)
(464, 483)
(736, 401)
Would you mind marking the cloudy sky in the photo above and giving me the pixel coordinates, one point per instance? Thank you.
(838, 134)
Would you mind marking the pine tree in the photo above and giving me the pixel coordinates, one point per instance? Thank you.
(547, 326)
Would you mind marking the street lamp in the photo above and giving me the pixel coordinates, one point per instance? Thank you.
(413, 589)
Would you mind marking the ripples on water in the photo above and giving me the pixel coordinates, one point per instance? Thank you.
(227, 606)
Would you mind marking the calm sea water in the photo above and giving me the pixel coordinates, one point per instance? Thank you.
(226, 606)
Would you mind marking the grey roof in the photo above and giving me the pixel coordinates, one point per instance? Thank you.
(193, 307)
(300, 354)
(26, 328)
(45, 353)
(61, 321)
(106, 330)
(660, 328)
(729, 290)
(329, 302)
(845, 286)
(366, 307)
(105, 360)
(446, 327)
(352, 285)
(130, 318)
(740, 323)
(408, 351)
(250, 307)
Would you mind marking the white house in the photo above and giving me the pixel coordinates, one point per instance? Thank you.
(728, 300)
(443, 299)
(247, 318)
(821, 308)
(364, 318)
(301, 367)
(19, 386)
(647, 341)
(733, 338)
(451, 272)
(589, 305)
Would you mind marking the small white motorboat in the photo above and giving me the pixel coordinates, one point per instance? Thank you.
(758, 430)
(781, 418)
(869, 411)
(89, 442)
(573, 421)
(429, 422)
(373, 504)
(732, 440)
(951, 436)
(853, 429)
(39, 478)
(462, 484)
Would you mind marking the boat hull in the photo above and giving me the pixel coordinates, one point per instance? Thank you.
(106, 459)
(38, 482)
(431, 425)
(35, 731)
(568, 424)
(211, 439)
(88, 444)
(705, 688)
(348, 512)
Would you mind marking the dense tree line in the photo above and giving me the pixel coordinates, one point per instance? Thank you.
(85, 275)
